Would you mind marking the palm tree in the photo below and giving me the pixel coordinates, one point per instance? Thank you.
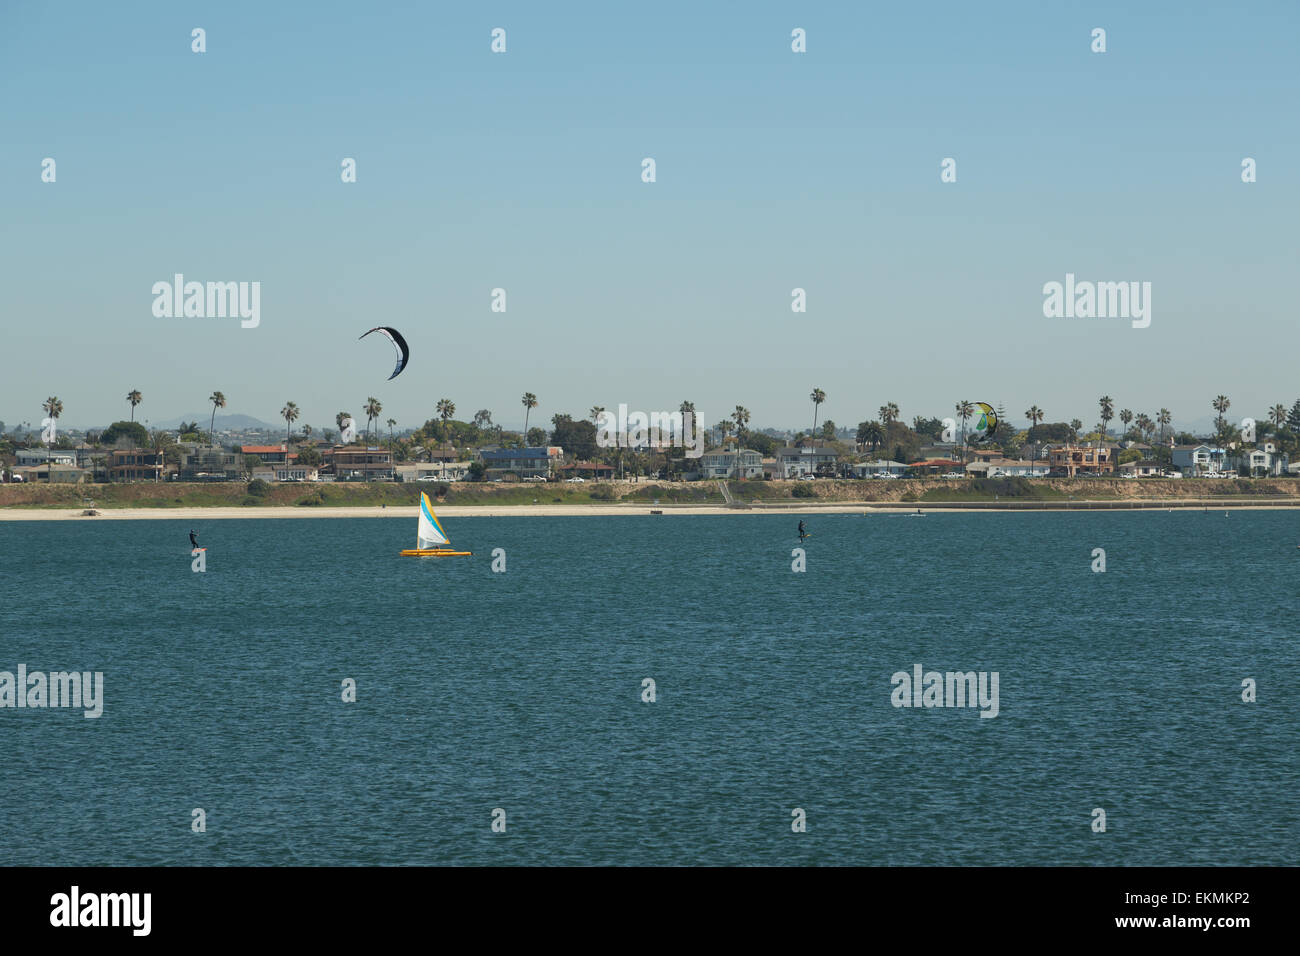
(1076, 426)
(1107, 412)
(1221, 405)
(817, 396)
(871, 432)
(1144, 424)
(724, 428)
(741, 417)
(888, 414)
(53, 409)
(391, 423)
(162, 440)
(1277, 415)
(1125, 416)
(964, 411)
(1035, 415)
(218, 401)
(306, 432)
(529, 402)
(133, 399)
(1164, 417)
(446, 408)
(290, 415)
(595, 413)
(373, 411)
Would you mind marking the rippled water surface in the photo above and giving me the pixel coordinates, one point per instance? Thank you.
(522, 691)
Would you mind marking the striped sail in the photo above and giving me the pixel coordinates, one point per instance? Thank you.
(431, 534)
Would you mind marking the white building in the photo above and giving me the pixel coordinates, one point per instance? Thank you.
(797, 461)
(31, 457)
(720, 463)
(1265, 461)
(1194, 460)
(881, 466)
(434, 470)
(1007, 468)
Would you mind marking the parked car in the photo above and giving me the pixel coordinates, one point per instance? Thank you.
(534, 478)
(427, 478)
(954, 474)
(575, 481)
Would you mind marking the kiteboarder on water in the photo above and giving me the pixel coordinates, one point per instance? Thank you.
(802, 532)
(194, 542)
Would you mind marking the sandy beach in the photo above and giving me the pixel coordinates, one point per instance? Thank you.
(410, 513)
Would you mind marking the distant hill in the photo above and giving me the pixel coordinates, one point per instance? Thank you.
(223, 421)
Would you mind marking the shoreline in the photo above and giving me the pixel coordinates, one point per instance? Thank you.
(410, 512)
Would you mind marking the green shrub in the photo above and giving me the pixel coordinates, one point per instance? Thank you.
(803, 490)
(603, 493)
(258, 488)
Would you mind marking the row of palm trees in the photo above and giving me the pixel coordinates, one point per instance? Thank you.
(737, 421)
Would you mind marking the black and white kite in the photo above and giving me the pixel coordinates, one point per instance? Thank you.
(399, 343)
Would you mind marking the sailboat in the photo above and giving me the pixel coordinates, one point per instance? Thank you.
(432, 541)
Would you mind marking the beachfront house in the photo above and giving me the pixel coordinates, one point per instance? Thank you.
(1092, 459)
(539, 462)
(730, 463)
(433, 471)
(879, 467)
(586, 470)
(1007, 468)
(269, 454)
(799, 460)
(210, 463)
(362, 463)
(294, 472)
(1146, 468)
(1264, 461)
(1193, 460)
(33, 457)
(135, 464)
(930, 467)
(422, 453)
(52, 473)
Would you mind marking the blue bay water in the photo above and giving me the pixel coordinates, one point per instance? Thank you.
(522, 691)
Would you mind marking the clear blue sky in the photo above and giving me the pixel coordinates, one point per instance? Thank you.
(522, 170)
